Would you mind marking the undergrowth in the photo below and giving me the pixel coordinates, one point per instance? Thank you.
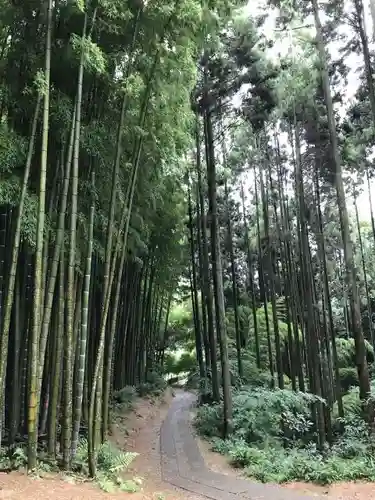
(273, 439)
(153, 387)
(16, 459)
(111, 463)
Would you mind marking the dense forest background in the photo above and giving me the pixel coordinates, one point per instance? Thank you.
(184, 177)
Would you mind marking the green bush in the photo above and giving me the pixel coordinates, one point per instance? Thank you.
(355, 441)
(170, 363)
(261, 416)
(125, 397)
(305, 465)
(253, 376)
(349, 459)
(346, 352)
(186, 363)
(273, 438)
(110, 463)
(352, 403)
(193, 381)
(154, 385)
(348, 378)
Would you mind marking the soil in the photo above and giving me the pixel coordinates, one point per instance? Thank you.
(139, 431)
(136, 431)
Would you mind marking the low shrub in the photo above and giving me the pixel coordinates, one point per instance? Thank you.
(253, 376)
(262, 416)
(273, 438)
(154, 385)
(111, 462)
(352, 403)
(125, 397)
(298, 464)
(348, 378)
(346, 352)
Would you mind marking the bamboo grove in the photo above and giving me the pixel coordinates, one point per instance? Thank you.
(281, 264)
(95, 116)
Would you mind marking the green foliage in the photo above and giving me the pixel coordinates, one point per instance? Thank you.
(273, 440)
(125, 397)
(154, 385)
(19, 458)
(80, 5)
(348, 378)
(262, 416)
(112, 460)
(16, 459)
(93, 58)
(110, 463)
(10, 190)
(307, 465)
(181, 325)
(40, 83)
(253, 376)
(13, 149)
(347, 362)
(346, 352)
(176, 365)
(352, 403)
(273, 437)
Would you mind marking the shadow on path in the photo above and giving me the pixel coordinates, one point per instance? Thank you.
(183, 466)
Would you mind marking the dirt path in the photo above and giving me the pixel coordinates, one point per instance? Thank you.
(190, 464)
(184, 467)
(200, 473)
(138, 431)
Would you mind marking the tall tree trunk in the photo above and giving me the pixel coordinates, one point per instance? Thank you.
(206, 278)
(361, 361)
(69, 335)
(327, 299)
(271, 282)
(82, 346)
(194, 295)
(251, 279)
(37, 306)
(234, 283)
(5, 319)
(218, 277)
(367, 291)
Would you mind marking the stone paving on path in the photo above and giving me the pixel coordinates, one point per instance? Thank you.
(183, 466)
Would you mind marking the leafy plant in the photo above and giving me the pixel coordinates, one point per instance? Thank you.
(154, 385)
(111, 462)
(262, 416)
(265, 421)
(348, 378)
(125, 397)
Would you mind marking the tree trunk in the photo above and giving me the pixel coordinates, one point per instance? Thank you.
(363, 372)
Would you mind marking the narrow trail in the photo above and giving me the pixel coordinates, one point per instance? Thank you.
(183, 466)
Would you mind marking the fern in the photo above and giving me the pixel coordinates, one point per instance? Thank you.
(106, 483)
(81, 455)
(129, 486)
(112, 460)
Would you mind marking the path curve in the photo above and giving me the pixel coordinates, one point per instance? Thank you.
(183, 466)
